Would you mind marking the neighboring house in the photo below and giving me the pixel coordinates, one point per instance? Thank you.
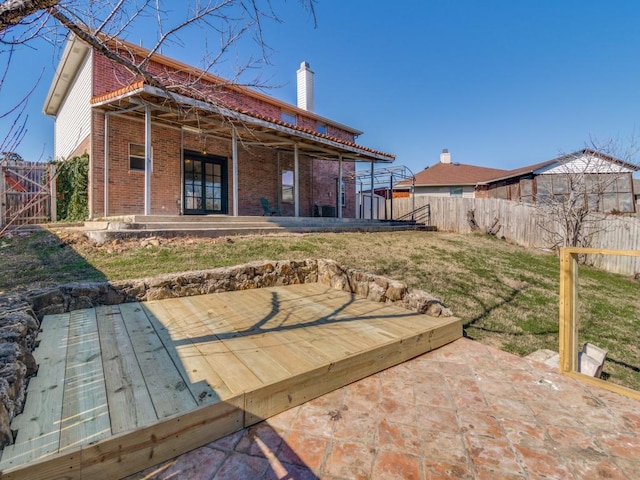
(608, 182)
(605, 181)
(198, 145)
(447, 179)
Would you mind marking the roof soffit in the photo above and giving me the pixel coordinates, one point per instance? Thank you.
(73, 56)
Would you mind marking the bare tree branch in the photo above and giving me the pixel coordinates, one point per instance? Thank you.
(13, 12)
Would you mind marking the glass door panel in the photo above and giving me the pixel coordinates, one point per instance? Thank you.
(205, 184)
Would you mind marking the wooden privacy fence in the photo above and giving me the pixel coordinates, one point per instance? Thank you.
(27, 193)
(526, 225)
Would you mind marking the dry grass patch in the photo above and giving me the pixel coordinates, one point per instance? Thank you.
(506, 295)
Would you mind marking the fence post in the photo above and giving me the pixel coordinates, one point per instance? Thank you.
(53, 191)
(568, 319)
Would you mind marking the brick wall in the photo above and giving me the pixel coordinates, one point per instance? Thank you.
(109, 76)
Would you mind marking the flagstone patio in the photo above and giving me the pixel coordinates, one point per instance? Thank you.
(465, 410)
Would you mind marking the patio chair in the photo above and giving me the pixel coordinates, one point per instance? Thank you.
(268, 210)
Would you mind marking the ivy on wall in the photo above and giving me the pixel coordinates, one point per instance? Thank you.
(71, 186)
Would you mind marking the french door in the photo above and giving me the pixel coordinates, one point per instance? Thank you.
(205, 184)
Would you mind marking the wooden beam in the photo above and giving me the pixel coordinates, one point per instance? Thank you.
(568, 331)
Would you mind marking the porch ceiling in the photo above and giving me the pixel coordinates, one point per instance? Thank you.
(203, 117)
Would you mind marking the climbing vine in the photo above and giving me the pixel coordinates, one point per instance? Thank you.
(71, 186)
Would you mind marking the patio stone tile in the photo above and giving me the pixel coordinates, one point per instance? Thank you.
(568, 439)
(492, 454)
(438, 419)
(434, 396)
(356, 426)
(350, 460)
(525, 433)
(598, 469)
(240, 465)
(437, 470)
(394, 388)
(396, 411)
(399, 437)
(546, 464)
(258, 440)
(396, 466)
(480, 423)
(315, 420)
(286, 471)
(446, 447)
(622, 445)
(306, 450)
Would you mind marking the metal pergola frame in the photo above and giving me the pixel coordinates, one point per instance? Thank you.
(384, 178)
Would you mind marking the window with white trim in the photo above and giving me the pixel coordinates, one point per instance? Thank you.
(137, 157)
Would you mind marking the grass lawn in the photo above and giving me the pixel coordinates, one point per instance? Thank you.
(506, 295)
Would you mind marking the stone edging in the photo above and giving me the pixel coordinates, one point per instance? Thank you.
(20, 314)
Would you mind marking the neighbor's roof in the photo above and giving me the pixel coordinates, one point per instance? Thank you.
(562, 159)
(459, 174)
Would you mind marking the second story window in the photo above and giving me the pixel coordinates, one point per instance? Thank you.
(288, 117)
(322, 128)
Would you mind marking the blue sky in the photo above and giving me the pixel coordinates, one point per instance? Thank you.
(500, 83)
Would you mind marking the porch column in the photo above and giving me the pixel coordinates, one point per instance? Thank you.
(371, 210)
(340, 186)
(234, 168)
(148, 164)
(296, 177)
(106, 164)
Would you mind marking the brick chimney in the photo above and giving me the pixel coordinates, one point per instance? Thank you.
(305, 87)
(445, 156)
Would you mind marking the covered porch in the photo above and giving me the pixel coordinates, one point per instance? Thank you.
(228, 160)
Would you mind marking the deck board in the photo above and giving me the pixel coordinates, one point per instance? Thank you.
(85, 414)
(38, 428)
(167, 388)
(147, 380)
(129, 401)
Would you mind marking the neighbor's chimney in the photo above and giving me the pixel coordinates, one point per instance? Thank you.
(445, 156)
(305, 87)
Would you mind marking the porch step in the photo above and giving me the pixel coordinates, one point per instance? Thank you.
(104, 231)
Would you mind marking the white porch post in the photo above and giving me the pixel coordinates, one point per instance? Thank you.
(340, 186)
(234, 168)
(296, 183)
(371, 206)
(148, 164)
(106, 164)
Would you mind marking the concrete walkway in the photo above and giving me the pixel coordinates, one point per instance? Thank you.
(465, 410)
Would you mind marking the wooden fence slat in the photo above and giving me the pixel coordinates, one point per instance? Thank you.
(524, 225)
(26, 193)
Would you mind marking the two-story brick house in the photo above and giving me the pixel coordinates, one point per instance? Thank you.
(194, 143)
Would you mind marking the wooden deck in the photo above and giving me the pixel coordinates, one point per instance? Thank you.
(124, 387)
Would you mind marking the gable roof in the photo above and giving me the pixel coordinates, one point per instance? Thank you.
(561, 160)
(459, 174)
(315, 143)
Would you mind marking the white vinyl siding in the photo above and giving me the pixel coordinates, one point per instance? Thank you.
(73, 122)
(468, 191)
(584, 164)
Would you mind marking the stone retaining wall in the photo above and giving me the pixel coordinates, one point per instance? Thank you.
(20, 314)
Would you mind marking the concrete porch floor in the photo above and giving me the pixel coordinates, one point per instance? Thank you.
(465, 410)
